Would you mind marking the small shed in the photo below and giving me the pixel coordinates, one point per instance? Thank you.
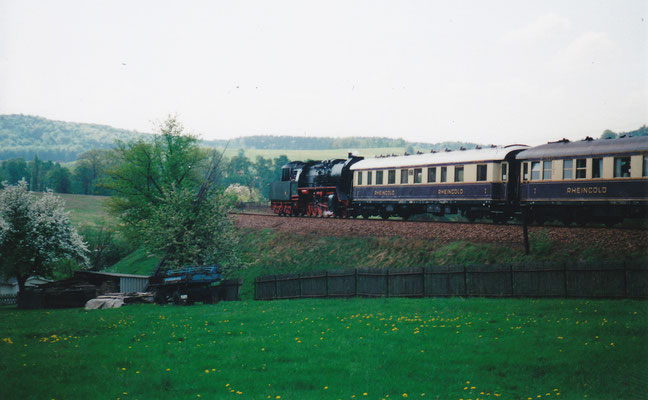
(111, 282)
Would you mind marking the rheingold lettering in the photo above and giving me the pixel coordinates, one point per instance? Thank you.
(587, 190)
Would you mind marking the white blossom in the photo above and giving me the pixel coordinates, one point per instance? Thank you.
(35, 233)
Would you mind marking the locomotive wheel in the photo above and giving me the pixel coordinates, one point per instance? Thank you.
(365, 215)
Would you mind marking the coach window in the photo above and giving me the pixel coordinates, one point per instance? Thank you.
(403, 176)
(581, 168)
(621, 167)
(546, 170)
(379, 177)
(597, 167)
(504, 171)
(568, 169)
(418, 175)
(525, 171)
(431, 175)
(444, 174)
(535, 170)
(645, 165)
(459, 174)
(359, 178)
(481, 172)
(369, 173)
(391, 177)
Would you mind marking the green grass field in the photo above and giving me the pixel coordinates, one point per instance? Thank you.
(330, 349)
(88, 210)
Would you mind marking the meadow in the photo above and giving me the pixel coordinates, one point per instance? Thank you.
(330, 349)
(88, 211)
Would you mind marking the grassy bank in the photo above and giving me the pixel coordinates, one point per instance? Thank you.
(330, 349)
(265, 252)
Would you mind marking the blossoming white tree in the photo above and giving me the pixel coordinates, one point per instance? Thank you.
(35, 233)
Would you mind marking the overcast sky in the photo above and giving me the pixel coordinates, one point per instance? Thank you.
(482, 71)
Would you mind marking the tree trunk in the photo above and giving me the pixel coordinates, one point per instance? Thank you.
(22, 280)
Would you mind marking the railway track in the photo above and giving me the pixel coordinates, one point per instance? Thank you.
(635, 225)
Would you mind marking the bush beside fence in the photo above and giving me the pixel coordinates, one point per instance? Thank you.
(609, 280)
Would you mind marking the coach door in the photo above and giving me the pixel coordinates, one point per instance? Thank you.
(512, 180)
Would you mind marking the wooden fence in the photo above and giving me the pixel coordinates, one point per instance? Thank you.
(609, 280)
(8, 299)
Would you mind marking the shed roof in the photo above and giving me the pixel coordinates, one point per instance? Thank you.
(112, 274)
(449, 157)
(626, 144)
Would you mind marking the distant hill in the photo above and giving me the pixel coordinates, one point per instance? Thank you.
(25, 135)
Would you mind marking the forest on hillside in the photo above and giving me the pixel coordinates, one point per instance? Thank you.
(25, 136)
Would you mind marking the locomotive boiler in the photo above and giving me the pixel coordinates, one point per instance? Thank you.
(315, 188)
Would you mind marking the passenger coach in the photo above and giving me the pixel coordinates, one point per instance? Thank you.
(587, 181)
(475, 183)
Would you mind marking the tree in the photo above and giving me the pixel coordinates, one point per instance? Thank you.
(142, 173)
(58, 179)
(608, 134)
(89, 170)
(16, 169)
(163, 200)
(35, 234)
(186, 235)
(36, 168)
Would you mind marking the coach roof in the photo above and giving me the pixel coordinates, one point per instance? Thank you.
(587, 147)
(443, 157)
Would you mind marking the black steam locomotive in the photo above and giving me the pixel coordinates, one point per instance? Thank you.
(587, 181)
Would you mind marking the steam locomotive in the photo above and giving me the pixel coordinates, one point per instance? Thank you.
(602, 181)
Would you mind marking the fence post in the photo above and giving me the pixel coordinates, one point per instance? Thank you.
(625, 279)
(387, 283)
(326, 280)
(465, 281)
(276, 285)
(423, 281)
(255, 288)
(299, 279)
(511, 272)
(565, 276)
(355, 281)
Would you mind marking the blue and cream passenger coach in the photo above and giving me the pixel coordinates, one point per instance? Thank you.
(586, 181)
(477, 183)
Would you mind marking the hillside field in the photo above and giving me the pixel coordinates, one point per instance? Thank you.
(88, 210)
